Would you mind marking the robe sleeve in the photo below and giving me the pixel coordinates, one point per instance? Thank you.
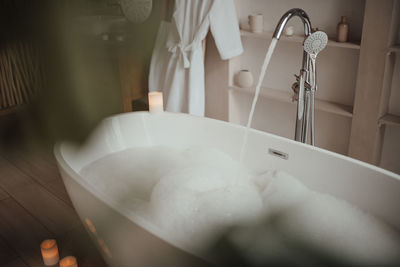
(224, 27)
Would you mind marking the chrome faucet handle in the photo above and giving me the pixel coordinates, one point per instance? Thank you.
(295, 89)
(307, 84)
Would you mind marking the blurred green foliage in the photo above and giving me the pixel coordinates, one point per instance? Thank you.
(82, 71)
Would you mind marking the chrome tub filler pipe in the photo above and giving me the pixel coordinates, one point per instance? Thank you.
(305, 85)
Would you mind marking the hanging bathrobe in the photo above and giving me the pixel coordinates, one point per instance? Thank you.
(177, 67)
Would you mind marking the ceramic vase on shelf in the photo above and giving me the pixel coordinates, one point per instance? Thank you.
(289, 31)
(256, 23)
(342, 30)
(245, 79)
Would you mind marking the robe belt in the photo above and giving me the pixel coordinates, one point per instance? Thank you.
(183, 50)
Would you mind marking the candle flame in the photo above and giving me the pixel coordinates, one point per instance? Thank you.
(49, 243)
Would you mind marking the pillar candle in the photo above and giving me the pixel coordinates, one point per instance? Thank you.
(69, 261)
(49, 252)
(156, 102)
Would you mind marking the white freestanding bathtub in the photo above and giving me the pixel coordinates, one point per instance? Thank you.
(127, 240)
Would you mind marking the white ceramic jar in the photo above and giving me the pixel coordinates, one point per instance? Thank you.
(289, 31)
(256, 23)
(245, 79)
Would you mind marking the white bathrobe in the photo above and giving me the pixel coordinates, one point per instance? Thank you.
(177, 67)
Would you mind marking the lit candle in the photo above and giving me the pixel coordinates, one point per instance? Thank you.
(69, 261)
(49, 252)
(156, 102)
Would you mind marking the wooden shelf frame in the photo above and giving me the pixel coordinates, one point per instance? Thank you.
(390, 119)
(394, 48)
(286, 97)
(296, 39)
(373, 80)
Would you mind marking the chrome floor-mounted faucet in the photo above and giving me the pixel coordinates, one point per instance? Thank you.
(305, 84)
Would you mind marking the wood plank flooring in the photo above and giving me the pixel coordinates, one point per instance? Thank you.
(34, 206)
(3, 194)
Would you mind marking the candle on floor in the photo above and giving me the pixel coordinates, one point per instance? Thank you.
(49, 252)
(69, 261)
(156, 102)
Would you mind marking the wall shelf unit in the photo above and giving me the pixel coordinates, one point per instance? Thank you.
(286, 97)
(357, 82)
(296, 39)
(375, 86)
(390, 119)
(394, 48)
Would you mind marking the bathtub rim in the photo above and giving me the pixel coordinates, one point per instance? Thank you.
(153, 229)
(271, 135)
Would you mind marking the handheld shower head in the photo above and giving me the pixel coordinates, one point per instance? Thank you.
(315, 42)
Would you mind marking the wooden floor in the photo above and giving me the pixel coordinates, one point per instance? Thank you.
(35, 206)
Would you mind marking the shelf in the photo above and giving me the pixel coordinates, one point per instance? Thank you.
(286, 97)
(295, 38)
(10, 110)
(394, 48)
(390, 119)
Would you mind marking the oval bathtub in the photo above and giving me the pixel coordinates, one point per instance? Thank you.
(125, 239)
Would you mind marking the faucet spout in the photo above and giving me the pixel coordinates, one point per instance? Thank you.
(304, 78)
(294, 12)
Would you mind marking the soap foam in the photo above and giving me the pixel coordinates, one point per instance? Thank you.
(204, 196)
(197, 192)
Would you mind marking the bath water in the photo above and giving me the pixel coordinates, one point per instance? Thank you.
(257, 92)
(197, 192)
